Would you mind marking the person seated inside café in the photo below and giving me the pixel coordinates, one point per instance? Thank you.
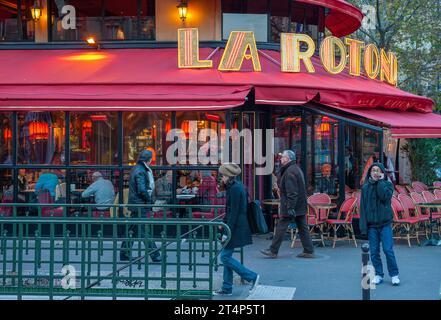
(23, 185)
(47, 181)
(326, 183)
(102, 190)
(163, 187)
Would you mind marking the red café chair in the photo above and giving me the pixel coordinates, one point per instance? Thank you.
(402, 221)
(410, 189)
(437, 184)
(344, 219)
(316, 219)
(357, 195)
(6, 211)
(419, 186)
(207, 194)
(412, 211)
(44, 197)
(400, 189)
(437, 194)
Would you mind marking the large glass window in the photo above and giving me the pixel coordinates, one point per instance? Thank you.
(361, 150)
(146, 130)
(107, 20)
(246, 15)
(272, 16)
(94, 138)
(41, 137)
(325, 171)
(16, 22)
(5, 138)
(203, 120)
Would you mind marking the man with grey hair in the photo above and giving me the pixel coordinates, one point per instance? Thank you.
(291, 183)
(101, 189)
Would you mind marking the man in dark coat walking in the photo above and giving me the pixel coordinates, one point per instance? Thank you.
(293, 206)
(141, 187)
(236, 219)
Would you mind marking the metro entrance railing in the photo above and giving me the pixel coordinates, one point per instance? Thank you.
(74, 253)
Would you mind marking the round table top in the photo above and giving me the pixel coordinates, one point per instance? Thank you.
(271, 202)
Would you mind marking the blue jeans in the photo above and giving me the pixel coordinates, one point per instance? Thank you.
(230, 264)
(382, 235)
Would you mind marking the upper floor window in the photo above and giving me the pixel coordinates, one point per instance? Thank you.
(106, 20)
(269, 18)
(16, 22)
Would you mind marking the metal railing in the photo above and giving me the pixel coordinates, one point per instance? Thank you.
(72, 251)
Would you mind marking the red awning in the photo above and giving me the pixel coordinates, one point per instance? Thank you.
(121, 97)
(149, 79)
(343, 19)
(403, 124)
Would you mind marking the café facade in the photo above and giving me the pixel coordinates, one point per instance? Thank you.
(73, 109)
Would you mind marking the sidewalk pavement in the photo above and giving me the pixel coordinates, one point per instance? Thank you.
(336, 273)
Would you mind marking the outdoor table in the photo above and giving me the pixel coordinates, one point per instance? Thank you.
(434, 204)
(183, 198)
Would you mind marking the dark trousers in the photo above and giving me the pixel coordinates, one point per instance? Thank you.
(282, 227)
(127, 245)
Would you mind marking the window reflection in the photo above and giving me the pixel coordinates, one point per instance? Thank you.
(202, 120)
(93, 138)
(146, 130)
(16, 25)
(326, 155)
(107, 20)
(41, 137)
(5, 138)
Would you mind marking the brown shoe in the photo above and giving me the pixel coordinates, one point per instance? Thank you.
(268, 253)
(306, 255)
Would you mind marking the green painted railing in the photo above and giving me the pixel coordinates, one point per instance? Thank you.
(72, 251)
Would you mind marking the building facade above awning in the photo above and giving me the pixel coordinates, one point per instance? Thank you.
(343, 18)
(408, 124)
(149, 78)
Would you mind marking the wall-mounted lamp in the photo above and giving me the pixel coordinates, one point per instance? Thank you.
(36, 11)
(91, 41)
(182, 9)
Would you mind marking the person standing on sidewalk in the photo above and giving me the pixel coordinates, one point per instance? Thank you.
(376, 220)
(236, 219)
(292, 206)
(141, 187)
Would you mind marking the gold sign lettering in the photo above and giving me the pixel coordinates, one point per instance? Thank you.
(291, 54)
(389, 67)
(371, 61)
(236, 49)
(188, 50)
(333, 55)
(355, 48)
(327, 54)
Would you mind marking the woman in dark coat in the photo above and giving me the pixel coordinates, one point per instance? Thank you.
(236, 219)
(376, 220)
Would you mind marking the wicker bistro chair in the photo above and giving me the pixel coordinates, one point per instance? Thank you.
(412, 211)
(437, 184)
(357, 196)
(44, 197)
(344, 219)
(401, 189)
(404, 223)
(437, 194)
(316, 219)
(419, 186)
